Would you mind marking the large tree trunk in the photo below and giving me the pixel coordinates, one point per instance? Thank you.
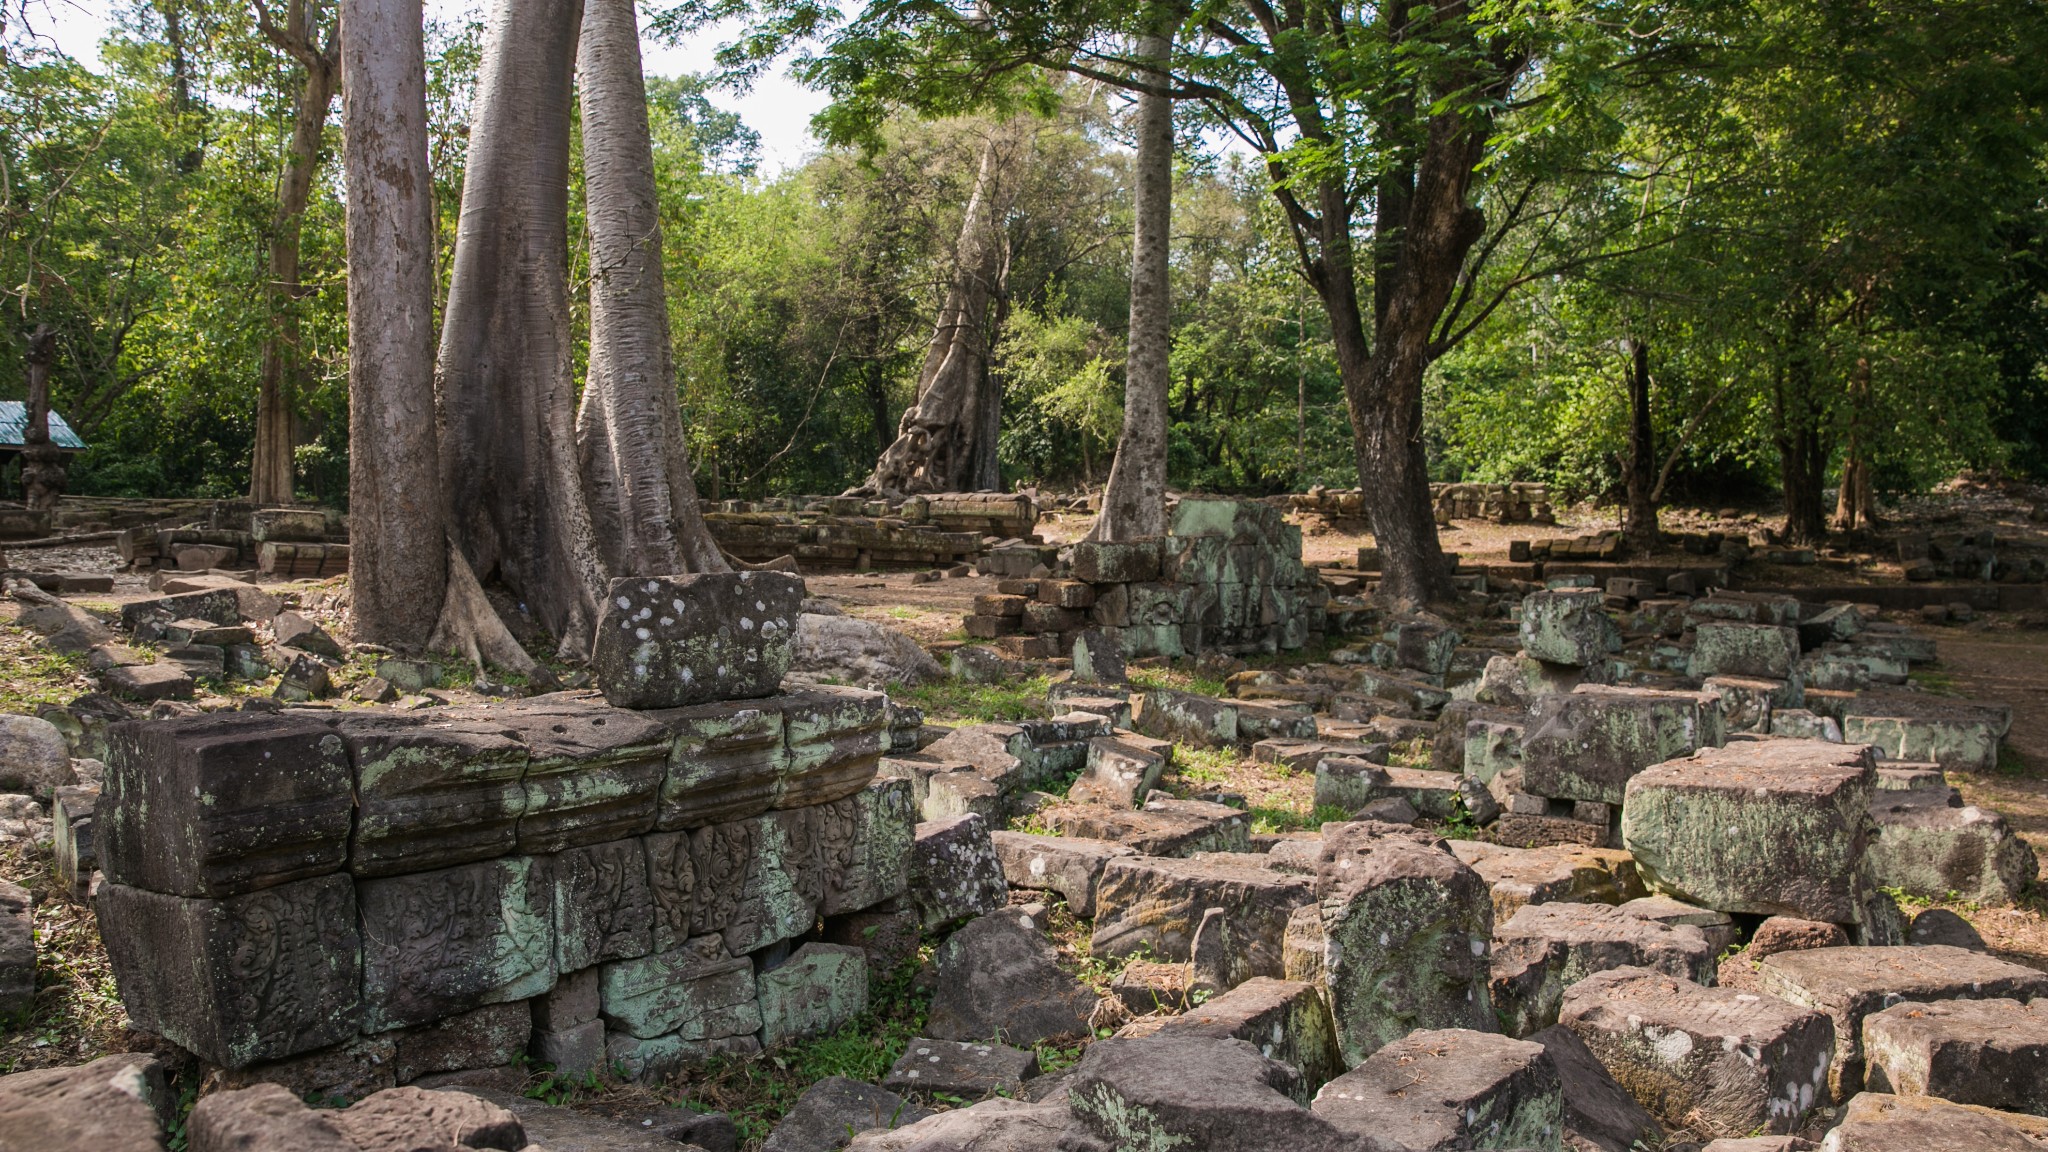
(271, 474)
(508, 453)
(1384, 394)
(945, 442)
(1802, 456)
(42, 463)
(1641, 521)
(1856, 503)
(1134, 501)
(397, 554)
(636, 468)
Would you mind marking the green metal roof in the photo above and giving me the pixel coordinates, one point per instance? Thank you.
(14, 425)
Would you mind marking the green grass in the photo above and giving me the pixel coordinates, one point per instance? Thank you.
(39, 676)
(1204, 765)
(1175, 680)
(1272, 819)
(2010, 762)
(957, 701)
(1933, 680)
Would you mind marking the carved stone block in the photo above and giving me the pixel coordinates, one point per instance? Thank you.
(672, 881)
(255, 977)
(439, 943)
(604, 908)
(680, 992)
(593, 773)
(725, 762)
(757, 881)
(834, 740)
(864, 842)
(432, 794)
(220, 805)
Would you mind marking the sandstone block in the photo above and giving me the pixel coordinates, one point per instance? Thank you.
(1992, 1053)
(1450, 1088)
(999, 979)
(592, 773)
(1955, 734)
(666, 642)
(1764, 651)
(1286, 1020)
(1587, 743)
(1930, 844)
(816, 990)
(114, 1102)
(1069, 865)
(1154, 905)
(725, 762)
(756, 881)
(1599, 1114)
(1193, 1092)
(1119, 774)
(833, 739)
(954, 871)
(1567, 873)
(484, 1037)
(681, 993)
(1876, 1122)
(829, 1110)
(603, 905)
(1164, 827)
(440, 943)
(1544, 949)
(431, 795)
(17, 953)
(866, 841)
(963, 1068)
(1568, 626)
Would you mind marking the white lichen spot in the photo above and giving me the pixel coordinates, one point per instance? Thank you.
(643, 634)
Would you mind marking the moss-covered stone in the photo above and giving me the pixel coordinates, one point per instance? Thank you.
(813, 992)
(1568, 626)
(1586, 744)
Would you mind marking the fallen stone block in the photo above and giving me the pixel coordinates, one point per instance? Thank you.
(1164, 827)
(1119, 774)
(1776, 827)
(819, 988)
(1763, 651)
(115, 1102)
(1568, 626)
(1406, 929)
(265, 1116)
(1493, 747)
(1876, 1122)
(998, 978)
(995, 1125)
(1186, 716)
(223, 804)
(1941, 926)
(1193, 1092)
(1559, 873)
(261, 976)
(1586, 744)
(1069, 865)
(930, 1068)
(17, 953)
(1992, 1053)
(1286, 1020)
(1599, 1114)
(33, 755)
(670, 641)
(1450, 1088)
(954, 871)
(834, 1108)
(1153, 906)
(1956, 734)
(1712, 1060)
(1748, 702)
(1851, 984)
(1791, 934)
(1304, 755)
(1544, 949)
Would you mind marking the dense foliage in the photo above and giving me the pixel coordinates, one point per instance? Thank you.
(1825, 221)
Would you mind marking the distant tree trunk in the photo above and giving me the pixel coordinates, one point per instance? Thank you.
(1642, 454)
(1802, 454)
(271, 475)
(1856, 503)
(173, 12)
(508, 453)
(397, 551)
(42, 463)
(944, 441)
(636, 465)
(1134, 501)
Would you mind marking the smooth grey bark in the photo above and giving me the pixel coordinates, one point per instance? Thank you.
(397, 557)
(1134, 500)
(508, 450)
(634, 460)
(271, 473)
(946, 440)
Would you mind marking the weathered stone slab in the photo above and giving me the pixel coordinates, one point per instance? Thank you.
(1706, 1059)
(1303, 755)
(865, 842)
(725, 763)
(1764, 651)
(431, 794)
(1119, 774)
(17, 953)
(1717, 927)
(1153, 906)
(1992, 1053)
(662, 1057)
(148, 682)
(1544, 949)
(1777, 827)
(1194, 1092)
(1568, 626)
(265, 1116)
(1850, 984)
(1286, 1020)
(1406, 930)
(833, 740)
(1931, 845)
(1558, 873)
(592, 774)
(113, 1104)
(813, 992)
(1956, 734)
(1186, 716)
(1349, 782)
(1164, 827)
(931, 1067)
(1069, 865)
(603, 906)
(1876, 1122)
(1587, 743)
(261, 976)
(439, 943)
(1599, 1114)
(999, 979)
(671, 641)
(220, 805)
(680, 992)
(1450, 1088)
(756, 881)
(830, 1110)
(954, 871)
(487, 1037)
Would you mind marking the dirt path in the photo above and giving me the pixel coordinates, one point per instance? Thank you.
(2006, 665)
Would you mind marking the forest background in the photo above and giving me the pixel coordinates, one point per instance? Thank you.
(1822, 229)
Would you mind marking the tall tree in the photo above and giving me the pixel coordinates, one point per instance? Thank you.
(397, 554)
(946, 440)
(508, 452)
(635, 464)
(1134, 500)
(271, 473)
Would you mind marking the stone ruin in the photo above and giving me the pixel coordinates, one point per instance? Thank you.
(1518, 503)
(860, 533)
(1227, 577)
